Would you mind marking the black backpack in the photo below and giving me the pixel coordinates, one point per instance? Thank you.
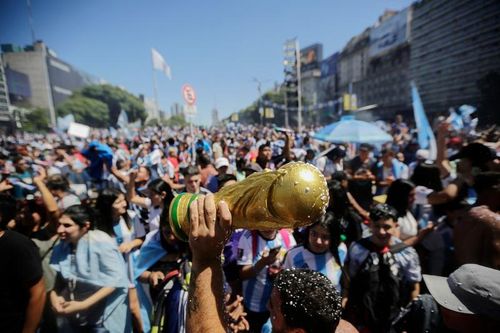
(420, 316)
(376, 291)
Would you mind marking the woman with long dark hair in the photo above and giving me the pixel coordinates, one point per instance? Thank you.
(159, 196)
(401, 196)
(124, 226)
(90, 294)
(347, 219)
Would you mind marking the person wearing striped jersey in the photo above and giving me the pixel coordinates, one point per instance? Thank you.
(321, 252)
(260, 255)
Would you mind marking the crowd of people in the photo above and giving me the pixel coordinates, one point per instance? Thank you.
(408, 243)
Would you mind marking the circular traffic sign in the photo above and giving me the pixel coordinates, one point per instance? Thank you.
(188, 94)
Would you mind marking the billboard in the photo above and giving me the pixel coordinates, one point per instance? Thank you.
(390, 33)
(329, 65)
(311, 57)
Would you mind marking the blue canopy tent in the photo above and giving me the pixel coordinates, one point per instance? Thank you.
(351, 130)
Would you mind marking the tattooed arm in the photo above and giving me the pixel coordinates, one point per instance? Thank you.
(210, 230)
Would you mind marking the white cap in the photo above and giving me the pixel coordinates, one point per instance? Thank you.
(220, 162)
(422, 154)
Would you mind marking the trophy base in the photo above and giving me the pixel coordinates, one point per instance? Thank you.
(179, 215)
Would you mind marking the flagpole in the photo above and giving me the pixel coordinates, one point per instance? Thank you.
(155, 91)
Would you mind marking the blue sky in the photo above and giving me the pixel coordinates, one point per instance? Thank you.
(216, 46)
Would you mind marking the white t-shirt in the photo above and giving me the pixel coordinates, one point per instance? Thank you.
(408, 226)
(327, 167)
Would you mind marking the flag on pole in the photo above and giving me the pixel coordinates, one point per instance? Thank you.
(122, 121)
(63, 122)
(426, 138)
(160, 64)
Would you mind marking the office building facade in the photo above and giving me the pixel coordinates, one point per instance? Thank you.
(454, 45)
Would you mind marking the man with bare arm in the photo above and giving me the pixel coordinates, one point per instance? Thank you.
(302, 301)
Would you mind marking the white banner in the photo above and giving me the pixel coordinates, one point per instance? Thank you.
(79, 130)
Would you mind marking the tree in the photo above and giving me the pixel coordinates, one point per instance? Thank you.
(35, 120)
(250, 115)
(175, 121)
(117, 99)
(152, 122)
(86, 110)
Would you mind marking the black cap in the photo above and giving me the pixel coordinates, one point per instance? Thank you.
(477, 153)
(337, 152)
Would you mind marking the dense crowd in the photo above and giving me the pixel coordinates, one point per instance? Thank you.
(408, 243)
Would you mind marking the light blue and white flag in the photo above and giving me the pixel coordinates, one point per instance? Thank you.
(466, 112)
(113, 132)
(426, 138)
(455, 120)
(136, 124)
(63, 122)
(122, 121)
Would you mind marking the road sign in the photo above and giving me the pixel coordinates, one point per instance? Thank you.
(190, 110)
(188, 94)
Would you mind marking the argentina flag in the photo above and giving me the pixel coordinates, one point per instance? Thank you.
(426, 138)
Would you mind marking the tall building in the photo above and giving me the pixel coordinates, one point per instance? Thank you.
(5, 115)
(454, 44)
(215, 117)
(386, 78)
(176, 109)
(311, 58)
(327, 94)
(51, 80)
(353, 61)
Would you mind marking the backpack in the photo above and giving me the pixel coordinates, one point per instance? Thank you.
(420, 316)
(169, 312)
(375, 294)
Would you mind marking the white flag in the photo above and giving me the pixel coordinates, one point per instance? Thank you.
(160, 64)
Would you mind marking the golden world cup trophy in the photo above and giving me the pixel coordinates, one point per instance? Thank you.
(293, 196)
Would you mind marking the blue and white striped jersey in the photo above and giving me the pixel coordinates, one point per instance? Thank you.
(256, 291)
(325, 263)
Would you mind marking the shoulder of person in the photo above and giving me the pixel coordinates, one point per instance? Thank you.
(408, 251)
(356, 248)
(100, 236)
(483, 214)
(17, 238)
(295, 250)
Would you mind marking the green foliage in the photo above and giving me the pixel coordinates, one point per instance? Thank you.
(117, 99)
(86, 110)
(174, 121)
(251, 115)
(36, 120)
(152, 122)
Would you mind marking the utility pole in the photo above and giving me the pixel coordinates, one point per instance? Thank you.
(261, 107)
